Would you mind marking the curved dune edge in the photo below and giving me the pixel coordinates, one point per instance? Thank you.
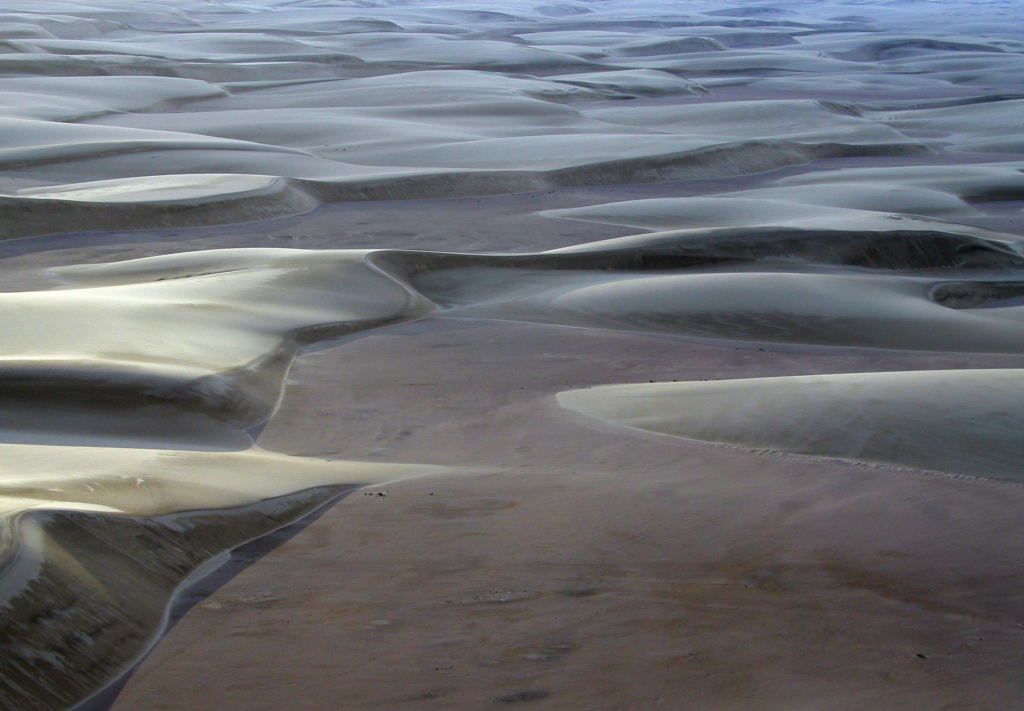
(154, 202)
(249, 311)
(746, 295)
(95, 586)
(97, 541)
(103, 455)
(180, 200)
(852, 201)
(156, 189)
(956, 421)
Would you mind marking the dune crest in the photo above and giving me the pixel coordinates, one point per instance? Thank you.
(960, 421)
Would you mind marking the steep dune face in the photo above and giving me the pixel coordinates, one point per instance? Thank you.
(814, 177)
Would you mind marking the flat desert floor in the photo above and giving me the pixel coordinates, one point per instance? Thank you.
(596, 354)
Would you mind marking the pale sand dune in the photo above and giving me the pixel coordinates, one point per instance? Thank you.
(185, 351)
(631, 83)
(237, 318)
(158, 200)
(749, 62)
(805, 121)
(427, 49)
(470, 145)
(235, 46)
(869, 47)
(309, 52)
(959, 421)
(163, 189)
(464, 141)
(98, 554)
(983, 128)
(146, 482)
(98, 65)
(773, 307)
(417, 88)
(830, 188)
(891, 198)
(836, 207)
(79, 98)
(995, 181)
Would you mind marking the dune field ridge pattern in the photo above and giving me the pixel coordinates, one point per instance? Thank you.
(809, 177)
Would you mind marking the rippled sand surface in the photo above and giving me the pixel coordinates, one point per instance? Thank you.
(256, 255)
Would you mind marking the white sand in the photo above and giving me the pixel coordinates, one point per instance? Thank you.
(959, 421)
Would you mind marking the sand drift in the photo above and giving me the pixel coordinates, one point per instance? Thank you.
(133, 392)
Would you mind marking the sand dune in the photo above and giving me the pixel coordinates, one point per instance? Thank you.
(197, 193)
(465, 144)
(856, 207)
(962, 421)
(1001, 181)
(80, 98)
(368, 132)
(774, 307)
(240, 317)
(172, 354)
(158, 200)
(92, 558)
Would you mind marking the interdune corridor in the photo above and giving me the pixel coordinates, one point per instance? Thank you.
(586, 355)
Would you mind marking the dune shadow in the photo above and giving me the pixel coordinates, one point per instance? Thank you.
(239, 559)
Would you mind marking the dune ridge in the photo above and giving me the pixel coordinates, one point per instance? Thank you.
(140, 443)
(816, 179)
(958, 422)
